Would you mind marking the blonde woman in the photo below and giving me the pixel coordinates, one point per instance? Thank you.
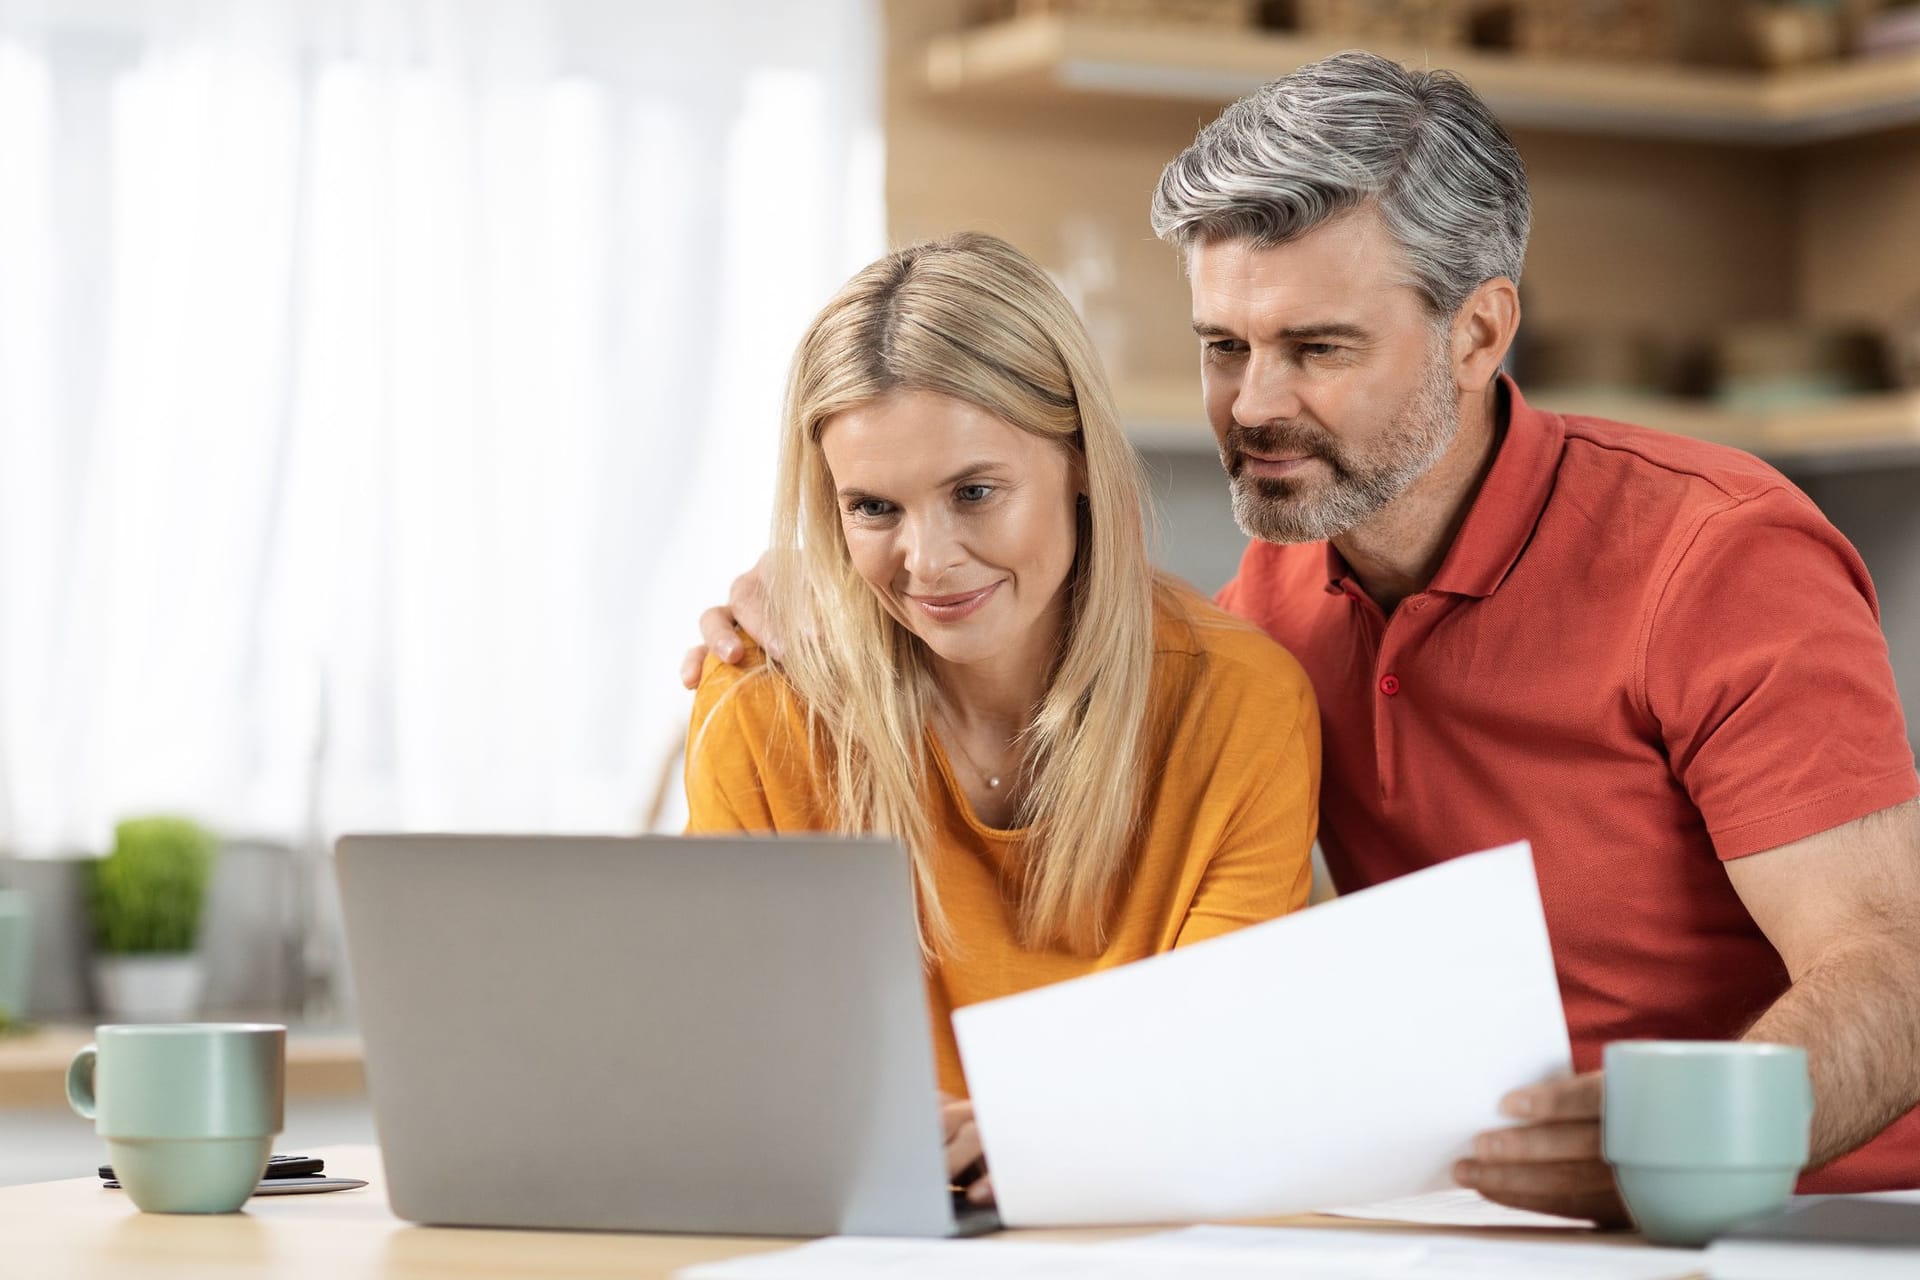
(1087, 763)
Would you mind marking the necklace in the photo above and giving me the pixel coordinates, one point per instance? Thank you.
(992, 779)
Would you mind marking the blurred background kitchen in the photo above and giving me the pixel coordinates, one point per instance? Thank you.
(386, 384)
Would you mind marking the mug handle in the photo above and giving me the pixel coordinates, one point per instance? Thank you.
(80, 1081)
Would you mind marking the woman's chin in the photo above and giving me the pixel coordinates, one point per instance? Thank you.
(958, 646)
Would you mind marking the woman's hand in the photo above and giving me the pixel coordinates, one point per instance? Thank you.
(965, 1160)
(746, 610)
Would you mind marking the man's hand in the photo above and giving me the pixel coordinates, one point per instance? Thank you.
(963, 1148)
(746, 609)
(1550, 1162)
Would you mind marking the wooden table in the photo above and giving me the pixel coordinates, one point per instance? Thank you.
(75, 1230)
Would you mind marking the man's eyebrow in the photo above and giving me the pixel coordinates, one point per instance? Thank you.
(1313, 332)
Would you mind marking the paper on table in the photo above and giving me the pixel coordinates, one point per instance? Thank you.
(1209, 1253)
(1338, 1056)
(1428, 1257)
(1457, 1207)
(1206, 1253)
(866, 1259)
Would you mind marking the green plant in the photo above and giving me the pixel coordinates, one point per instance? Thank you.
(147, 894)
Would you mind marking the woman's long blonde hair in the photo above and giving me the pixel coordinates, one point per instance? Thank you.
(971, 317)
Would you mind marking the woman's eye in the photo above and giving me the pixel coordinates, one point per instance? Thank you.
(973, 492)
(870, 508)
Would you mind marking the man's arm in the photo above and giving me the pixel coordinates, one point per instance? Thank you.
(1843, 910)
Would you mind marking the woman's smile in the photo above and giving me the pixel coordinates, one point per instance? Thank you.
(954, 608)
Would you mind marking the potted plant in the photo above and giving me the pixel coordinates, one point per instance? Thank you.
(145, 899)
(16, 957)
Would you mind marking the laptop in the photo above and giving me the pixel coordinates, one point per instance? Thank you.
(718, 1035)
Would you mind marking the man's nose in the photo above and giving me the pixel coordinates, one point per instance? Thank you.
(1268, 391)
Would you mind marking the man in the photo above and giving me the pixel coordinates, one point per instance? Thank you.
(1650, 656)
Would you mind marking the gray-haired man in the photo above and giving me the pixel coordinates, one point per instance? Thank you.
(1650, 656)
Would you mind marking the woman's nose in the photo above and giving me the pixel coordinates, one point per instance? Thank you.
(931, 548)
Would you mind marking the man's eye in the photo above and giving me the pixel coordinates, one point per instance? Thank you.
(1318, 349)
(1226, 347)
(870, 508)
(973, 492)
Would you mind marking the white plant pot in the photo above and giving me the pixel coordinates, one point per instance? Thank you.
(149, 988)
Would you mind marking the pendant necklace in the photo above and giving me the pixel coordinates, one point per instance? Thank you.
(992, 779)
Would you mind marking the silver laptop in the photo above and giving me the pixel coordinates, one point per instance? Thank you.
(725, 1036)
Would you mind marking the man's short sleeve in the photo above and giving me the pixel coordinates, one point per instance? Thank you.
(1766, 668)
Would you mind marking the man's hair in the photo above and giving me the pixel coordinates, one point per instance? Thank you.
(1350, 131)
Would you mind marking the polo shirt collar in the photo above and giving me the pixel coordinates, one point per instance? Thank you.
(1505, 511)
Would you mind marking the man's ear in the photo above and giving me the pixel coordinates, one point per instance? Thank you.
(1482, 333)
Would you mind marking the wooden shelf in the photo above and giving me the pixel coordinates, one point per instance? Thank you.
(1164, 415)
(1857, 430)
(33, 1067)
(1050, 57)
(1865, 430)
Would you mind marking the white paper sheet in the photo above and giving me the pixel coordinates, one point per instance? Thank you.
(1342, 1055)
(1312, 1251)
(863, 1259)
(1209, 1253)
(1455, 1208)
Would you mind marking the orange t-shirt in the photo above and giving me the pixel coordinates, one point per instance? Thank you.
(1232, 772)
(1643, 653)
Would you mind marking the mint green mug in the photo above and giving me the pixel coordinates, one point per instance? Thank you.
(189, 1111)
(1704, 1134)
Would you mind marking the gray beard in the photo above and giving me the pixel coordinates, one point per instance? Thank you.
(1282, 511)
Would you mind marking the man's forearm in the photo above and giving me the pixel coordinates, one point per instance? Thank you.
(1857, 1013)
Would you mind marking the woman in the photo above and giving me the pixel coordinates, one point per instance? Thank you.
(1087, 763)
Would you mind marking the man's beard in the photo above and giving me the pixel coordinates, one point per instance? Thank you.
(1284, 510)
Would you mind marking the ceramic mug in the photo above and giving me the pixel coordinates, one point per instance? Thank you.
(1704, 1135)
(189, 1111)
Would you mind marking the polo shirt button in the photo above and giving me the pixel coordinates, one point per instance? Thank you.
(1389, 684)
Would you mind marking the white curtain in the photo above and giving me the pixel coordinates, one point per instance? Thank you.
(384, 386)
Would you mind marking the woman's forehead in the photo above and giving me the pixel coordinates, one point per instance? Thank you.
(927, 436)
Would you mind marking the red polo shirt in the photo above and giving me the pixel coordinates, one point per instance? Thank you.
(1645, 654)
